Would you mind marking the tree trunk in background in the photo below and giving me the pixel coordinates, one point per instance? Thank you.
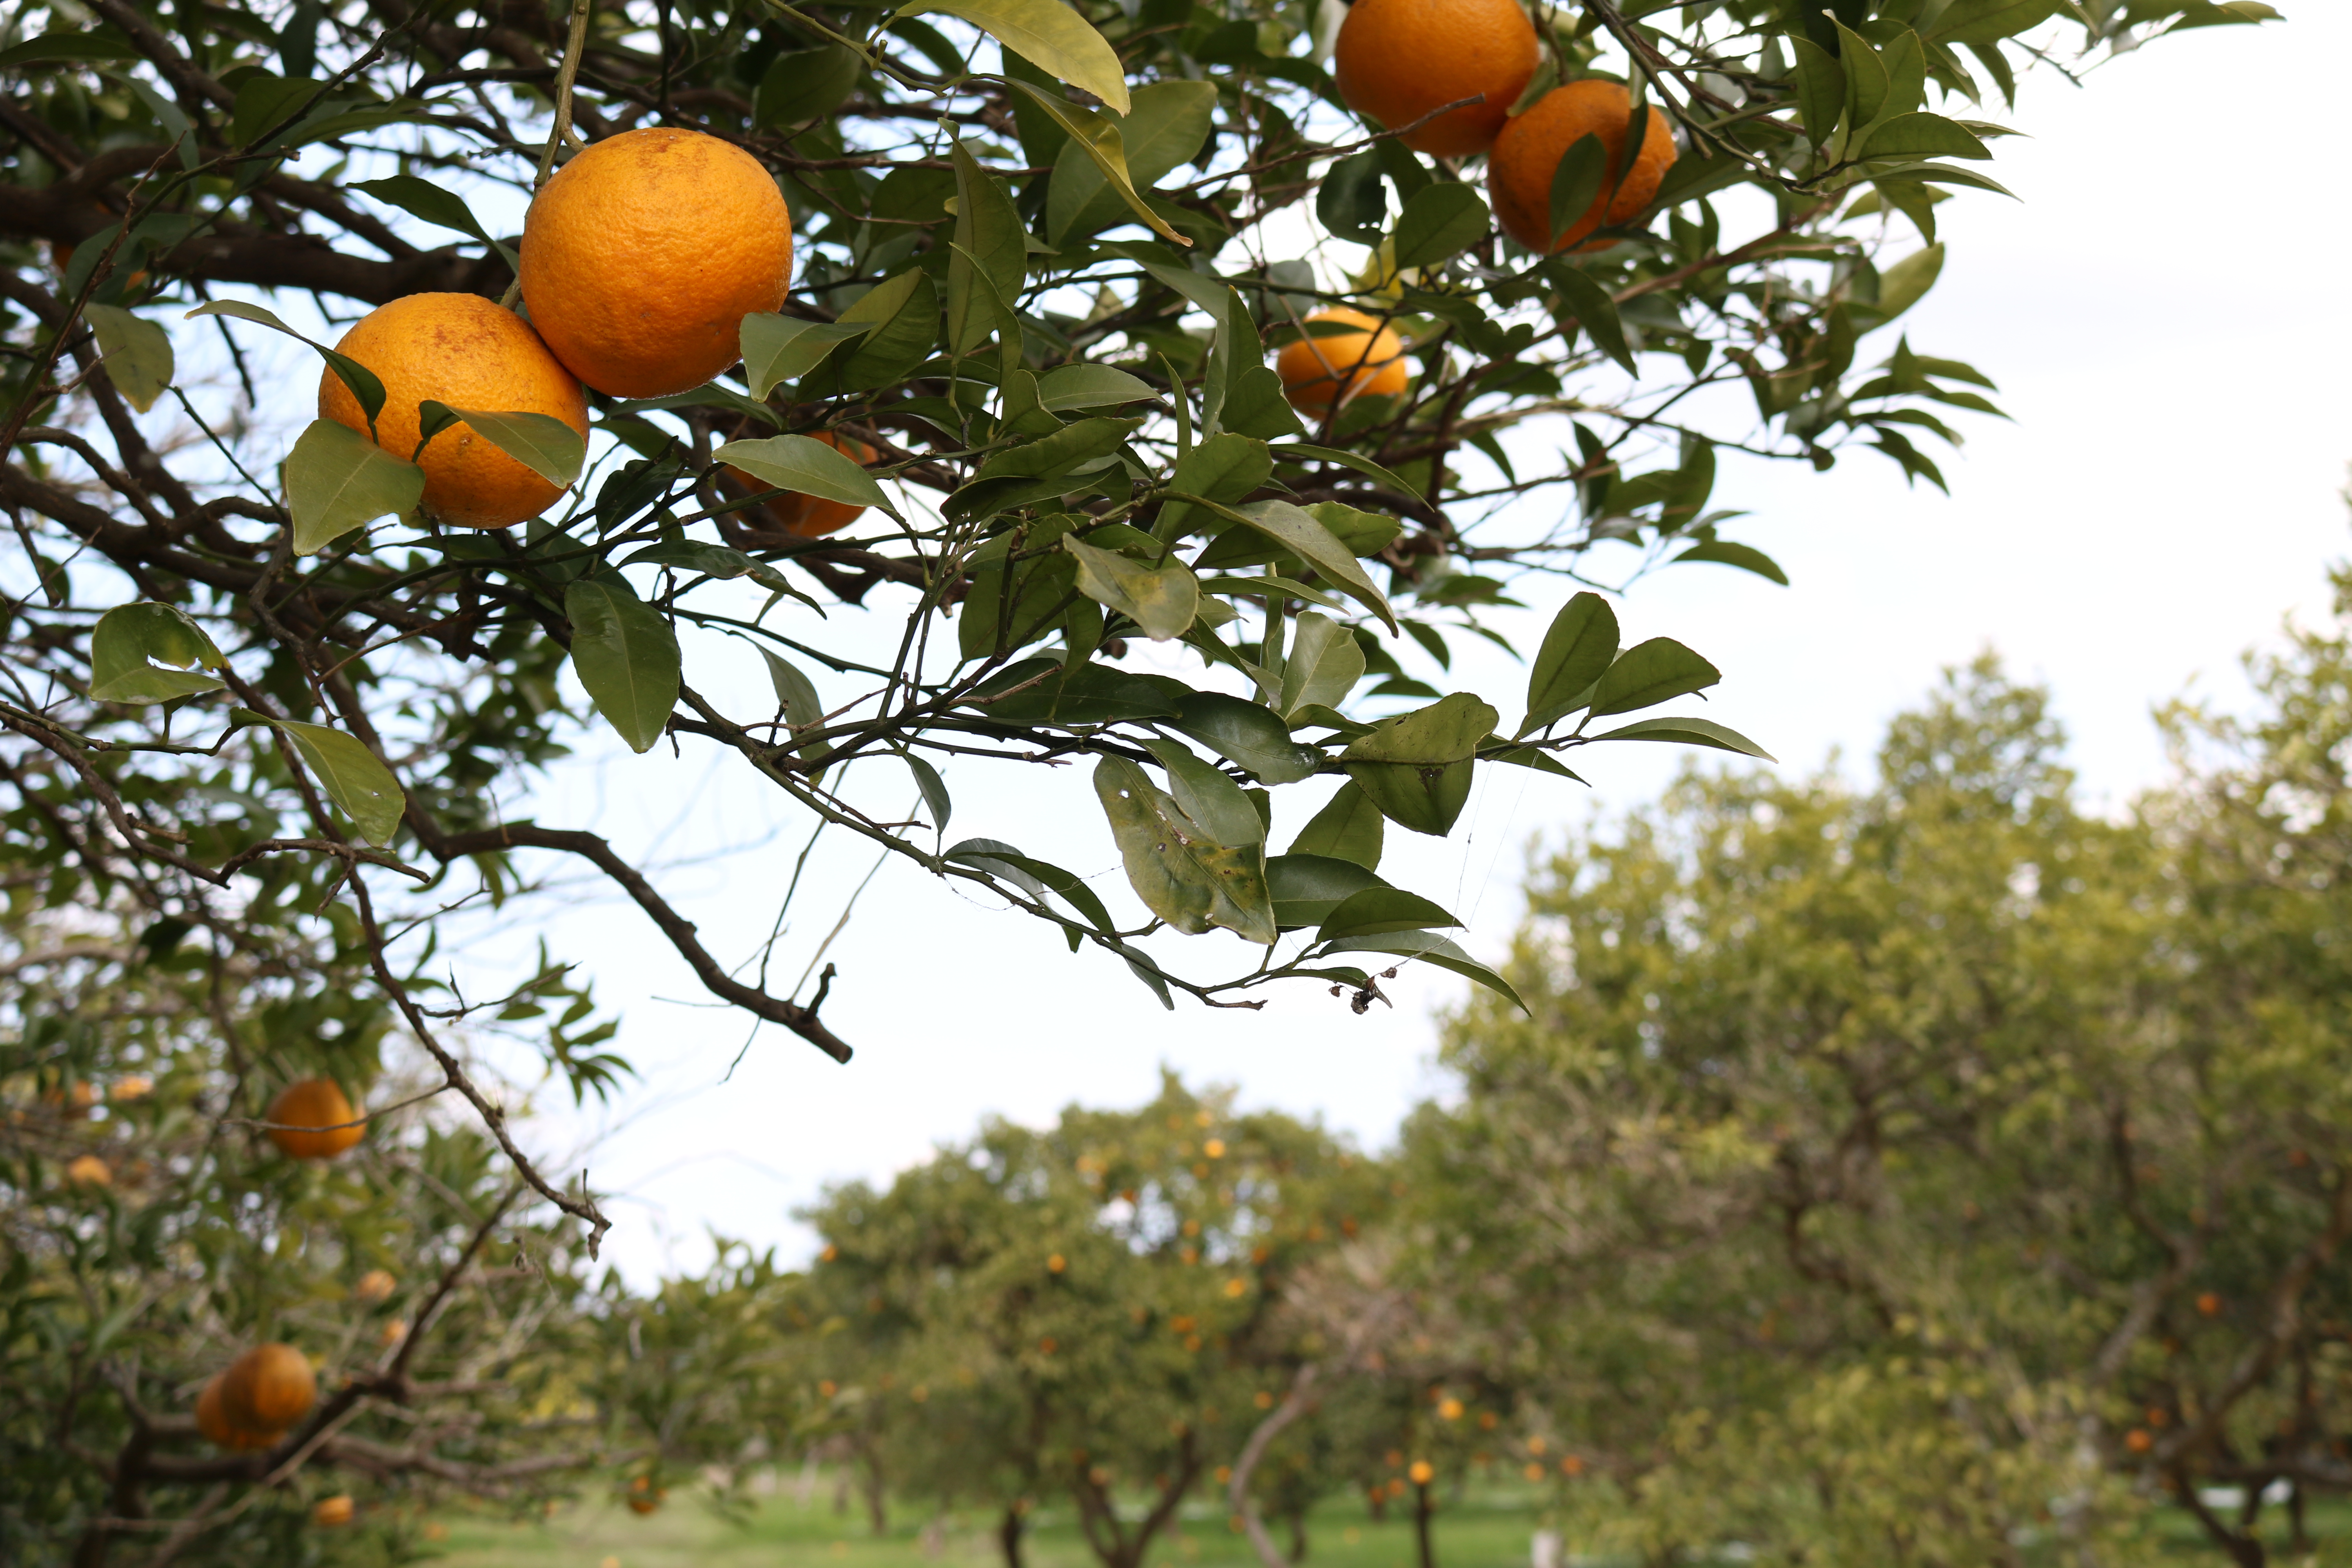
(1299, 1535)
(1422, 1510)
(1008, 1535)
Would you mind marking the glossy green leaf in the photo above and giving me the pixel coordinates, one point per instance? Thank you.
(1594, 310)
(1069, 386)
(1245, 733)
(797, 696)
(1689, 732)
(934, 790)
(337, 479)
(1650, 673)
(1440, 222)
(1323, 665)
(1162, 601)
(1989, 21)
(807, 466)
(1308, 888)
(131, 641)
(1207, 795)
(1577, 182)
(1349, 828)
(1922, 135)
(352, 777)
(1180, 872)
(1048, 35)
(906, 313)
(1416, 767)
(362, 382)
(1747, 557)
(138, 353)
(1577, 649)
(1376, 912)
(804, 85)
(1351, 203)
(1099, 140)
(1307, 539)
(539, 442)
(991, 242)
(437, 204)
(1821, 89)
(1428, 947)
(778, 349)
(1166, 129)
(625, 654)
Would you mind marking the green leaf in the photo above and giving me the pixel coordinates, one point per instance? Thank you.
(1440, 222)
(626, 657)
(798, 697)
(1069, 386)
(1650, 673)
(1323, 666)
(990, 242)
(1090, 694)
(1594, 310)
(935, 794)
(1428, 947)
(1747, 557)
(1351, 201)
(1922, 135)
(138, 353)
(1034, 877)
(1166, 129)
(267, 103)
(1299, 452)
(1821, 89)
(1376, 912)
(1099, 140)
(906, 309)
(351, 776)
(1689, 732)
(1246, 733)
(778, 349)
(1577, 649)
(1162, 601)
(1307, 539)
(130, 640)
(65, 45)
(1989, 21)
(1224, 467)
(806, 466)
(1903, 285)
(539, 442)
(1207, 795)
(360, 381)
(1308, 888)
(1048, 35)
(1577, 183)
(1182, 875)
(437, 204)
(804, 85)
(1349, 828)
(1254, 405)
(1416, 767)
(337, 479)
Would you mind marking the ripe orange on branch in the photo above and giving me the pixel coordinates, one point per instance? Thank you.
(1318, 371)
(810, 517)
(310, 1115)
(642, 257)
(466, 351)
(1527, 153)
(1396, 60)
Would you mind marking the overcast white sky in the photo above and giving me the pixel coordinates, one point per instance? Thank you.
(2163, 312)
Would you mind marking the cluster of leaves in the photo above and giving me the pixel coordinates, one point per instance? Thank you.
(1053, 337)
(1899, 1162)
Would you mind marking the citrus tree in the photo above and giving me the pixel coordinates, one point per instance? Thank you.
(1093, 1313)
(963, 315)
(1933, 1172)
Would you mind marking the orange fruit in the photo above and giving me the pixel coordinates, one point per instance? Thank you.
(464, 350)
(2138, 1441)
(810, 517)
(642, 257)
(268, 1388)
(1527, 153)
(1398, 59)
(215, 1422)
(332, 1512)
(375, 1285)
(1423, 1472)
(1318, 372)
(310, 1116)
(90, 1171)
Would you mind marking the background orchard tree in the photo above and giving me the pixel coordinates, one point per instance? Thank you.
(1090, 1312)
(1864, 1152)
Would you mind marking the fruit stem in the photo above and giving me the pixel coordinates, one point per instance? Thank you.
(574, 45)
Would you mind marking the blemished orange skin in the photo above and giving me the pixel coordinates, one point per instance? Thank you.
(310, 1116)
(466, 351)
(1527, 153)
(642, 257)
(811, 517)
(268, 1388)
(1318, 372)
(1398, 59)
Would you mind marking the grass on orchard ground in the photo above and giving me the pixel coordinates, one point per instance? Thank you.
(1479, 1532)
(1487, 1529)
